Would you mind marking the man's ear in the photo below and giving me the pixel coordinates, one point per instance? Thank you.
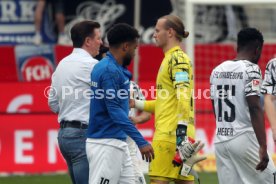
(171, 32)
(125, 46)
(87, 41)
(258, 50)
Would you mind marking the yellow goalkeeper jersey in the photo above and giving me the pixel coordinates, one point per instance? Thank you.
(174, 100)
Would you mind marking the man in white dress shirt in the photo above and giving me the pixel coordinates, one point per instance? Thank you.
(69, 97)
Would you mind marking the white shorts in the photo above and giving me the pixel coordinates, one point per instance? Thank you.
(109, 162)
(136, 159)
(237, 158)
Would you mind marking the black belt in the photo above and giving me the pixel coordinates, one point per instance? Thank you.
(72, 124)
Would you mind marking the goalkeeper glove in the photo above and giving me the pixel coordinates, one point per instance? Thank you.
(188, 164)
(185, 150)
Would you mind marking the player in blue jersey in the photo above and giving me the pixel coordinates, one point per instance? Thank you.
(106, 147)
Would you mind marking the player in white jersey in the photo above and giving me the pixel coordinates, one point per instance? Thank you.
(240, 143)
(136, 118)
(269, 91)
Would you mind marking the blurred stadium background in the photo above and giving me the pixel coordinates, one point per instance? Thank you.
(28, 130)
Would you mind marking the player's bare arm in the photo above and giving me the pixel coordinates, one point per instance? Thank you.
(270, 110)
(257, 119)
(141, 118)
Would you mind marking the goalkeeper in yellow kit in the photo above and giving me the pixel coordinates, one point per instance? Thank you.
(173, 107)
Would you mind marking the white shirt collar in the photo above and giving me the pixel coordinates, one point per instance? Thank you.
(81, 51)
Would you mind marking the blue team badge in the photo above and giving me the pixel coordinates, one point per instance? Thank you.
(181, 76)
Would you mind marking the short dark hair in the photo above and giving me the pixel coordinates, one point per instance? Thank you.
(121, 33)
(250, 38)
(81, 30)
(103, 50)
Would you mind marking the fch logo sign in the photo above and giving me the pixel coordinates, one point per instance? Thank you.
(34, 63)
(36, 69)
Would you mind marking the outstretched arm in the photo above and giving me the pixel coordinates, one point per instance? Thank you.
(138, 100)
(143, 105)
(141, 118)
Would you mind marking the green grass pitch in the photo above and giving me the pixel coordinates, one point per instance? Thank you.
(205, 178)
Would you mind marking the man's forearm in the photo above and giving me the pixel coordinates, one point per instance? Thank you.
(141, 118)
(270, 110)
(257, 120)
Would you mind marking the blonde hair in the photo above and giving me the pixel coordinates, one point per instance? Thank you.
(176, 24)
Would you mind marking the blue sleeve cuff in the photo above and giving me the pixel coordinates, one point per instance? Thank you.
(143, 145)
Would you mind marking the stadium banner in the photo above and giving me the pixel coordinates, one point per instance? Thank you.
(24, 98)
(35, 63)
(7, 64)
(17, 22)
(61, 52)
(14, 57)
(28, 141)
(29, 144)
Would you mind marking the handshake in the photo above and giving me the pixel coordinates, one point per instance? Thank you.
(186, 155)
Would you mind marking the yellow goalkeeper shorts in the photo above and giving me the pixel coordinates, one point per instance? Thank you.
(161, 167)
